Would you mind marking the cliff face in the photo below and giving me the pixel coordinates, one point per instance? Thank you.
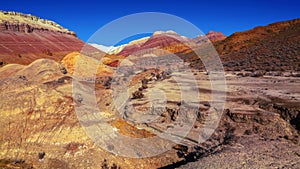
(25, 38)
(27, 28)
(18, 22)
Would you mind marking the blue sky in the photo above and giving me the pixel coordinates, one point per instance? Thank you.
(86, 17)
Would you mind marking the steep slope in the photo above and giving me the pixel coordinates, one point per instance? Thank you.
(272, 47)
(25, 38)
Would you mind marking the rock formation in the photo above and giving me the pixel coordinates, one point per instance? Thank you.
(215, 36)
(25, 38)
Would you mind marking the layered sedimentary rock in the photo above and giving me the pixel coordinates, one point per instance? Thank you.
(39, 124)
(215, 36)
(160, 43)
(25, 38)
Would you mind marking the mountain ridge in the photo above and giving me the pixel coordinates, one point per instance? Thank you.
(25, 38)
(271, 47)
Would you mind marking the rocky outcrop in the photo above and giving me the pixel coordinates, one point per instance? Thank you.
(19, 22)
(27, 28)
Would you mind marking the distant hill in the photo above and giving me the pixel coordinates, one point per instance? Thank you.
(25, 38)
(159, 43)
(272, 47)
(212, 36)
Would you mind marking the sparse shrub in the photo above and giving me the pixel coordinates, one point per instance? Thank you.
(78, 97)
(41, 155)
(60, 80)
(200, 116)
(229, 134)
(256, 129)
(22, 77)
(137, 95)
(248, 132)
(63, 70)
(144, 86)
(107, 84)
(114, 166)
(158, 76)
(19, 161)
(144, 81)
(106, 166)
